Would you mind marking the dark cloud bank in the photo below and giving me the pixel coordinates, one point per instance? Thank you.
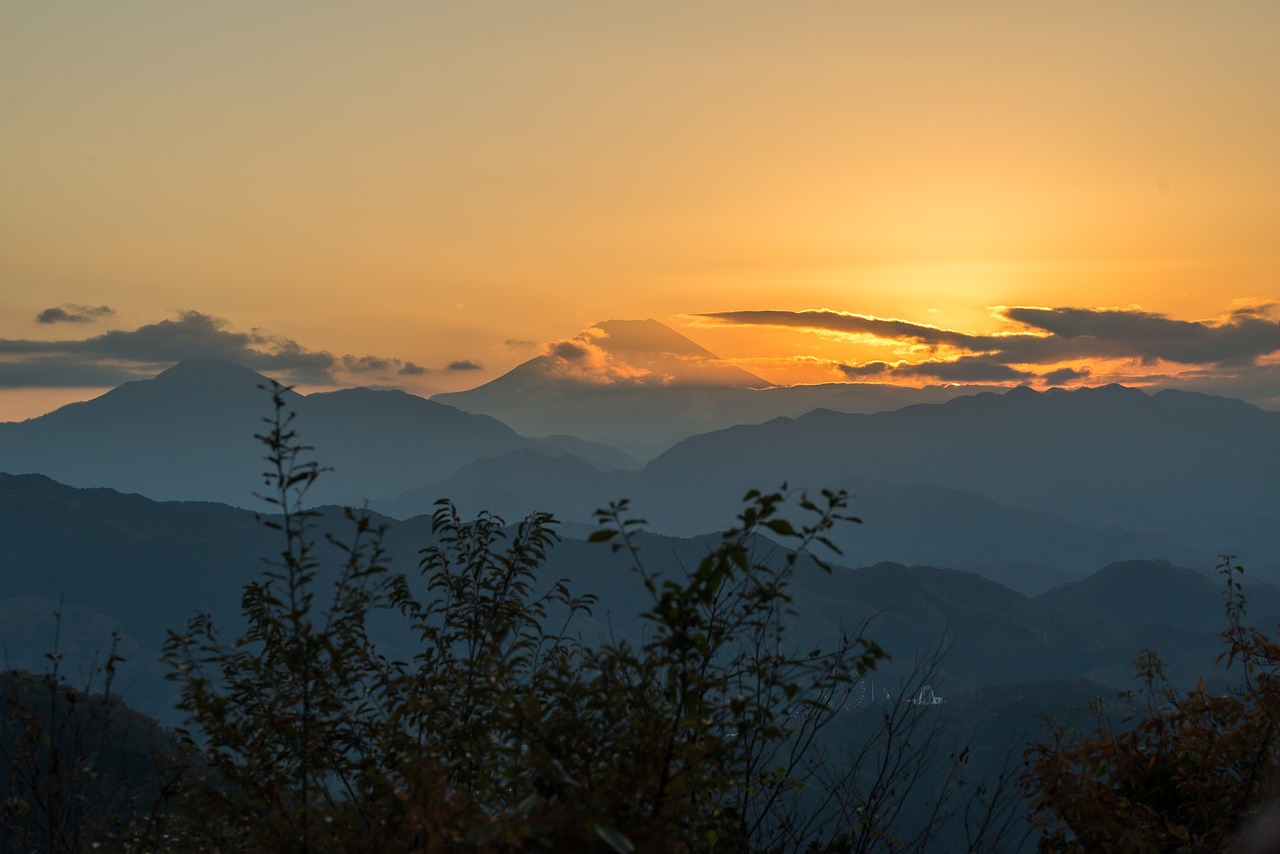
(121, 355)
(1231, 351)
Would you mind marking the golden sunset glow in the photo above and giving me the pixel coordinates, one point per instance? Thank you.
(448, 189)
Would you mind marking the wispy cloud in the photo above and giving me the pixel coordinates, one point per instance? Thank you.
(859, 325)
(464, 365)
(73, 313)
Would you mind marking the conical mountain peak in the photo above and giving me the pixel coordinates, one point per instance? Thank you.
(208, 369)
(627, 353)
(644, 336)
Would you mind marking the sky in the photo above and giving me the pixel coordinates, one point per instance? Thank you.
(423, 195)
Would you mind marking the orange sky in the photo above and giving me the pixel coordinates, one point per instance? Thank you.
(433, 184)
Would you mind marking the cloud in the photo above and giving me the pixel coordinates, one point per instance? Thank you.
(465, 365)
(867, 369)
(1240, 338)
(520, 343)
(1065, 375)
(125, 354)
(59, 371)
(1047, 335)
(583, 359)
(570, 351)
(1223, 348)
(368, 364)
(969, 369)
(380, 365)
(72, 313)
(861, 325)
(1252, 307)
(191, 334)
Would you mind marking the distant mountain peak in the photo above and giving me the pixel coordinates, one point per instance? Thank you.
(627, 354)
(208, 369)
(1025, 395)
(1116, 389)
(646, 336)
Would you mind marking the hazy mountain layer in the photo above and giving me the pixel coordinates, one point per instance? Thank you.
(1030, 488)
(139, 566)
(1028, 551)
(1196, 469)
(189, 434)
(641, 386)
(1026, 488)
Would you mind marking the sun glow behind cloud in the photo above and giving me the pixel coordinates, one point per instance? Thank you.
(1049, 346)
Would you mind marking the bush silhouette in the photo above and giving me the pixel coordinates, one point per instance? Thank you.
(505, 728)
(502, 732)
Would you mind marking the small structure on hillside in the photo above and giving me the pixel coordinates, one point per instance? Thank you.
(926, 697)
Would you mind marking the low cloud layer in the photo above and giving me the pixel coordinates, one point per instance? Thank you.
(966, 369)
(121, 355)
(584, 359)
(1040, 344)
(638, 353)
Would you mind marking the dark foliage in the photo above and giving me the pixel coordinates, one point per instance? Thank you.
(1179, 771)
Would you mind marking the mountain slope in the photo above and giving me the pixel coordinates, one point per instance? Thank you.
(188, 433)
(1142, 592)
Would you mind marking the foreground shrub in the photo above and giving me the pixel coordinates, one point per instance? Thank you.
(1182, 771)
(506, 731)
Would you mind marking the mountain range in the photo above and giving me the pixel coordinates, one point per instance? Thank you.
(1028, 488)
(1178, 464)
(640, 386)
(116, 562)
(1016, 551)
(189, 433)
